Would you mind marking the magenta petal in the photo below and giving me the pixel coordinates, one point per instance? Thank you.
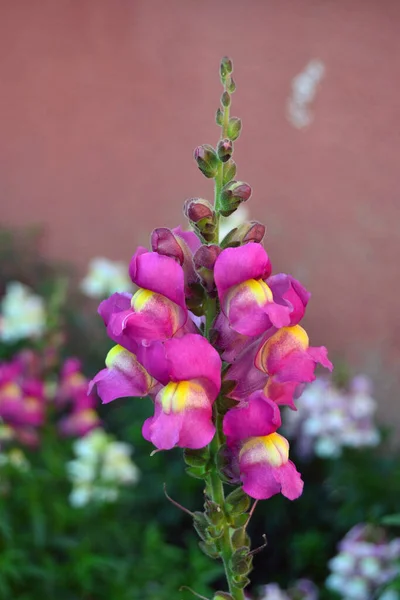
(163, 430)
(114, 311)
(320, 355)
(288, 291)
(190, 238)
(160, 274)
(154, 360)
(249, 379)
(261, 481)
(131, 327)
(197, 428)
(283, 393)
(193, 357)
(236, 265)
(290, 480)
(279, 315)
(258, 416)
(229, 340)
(187, 429)
(116, 303)
(124, 376)
(297, 366)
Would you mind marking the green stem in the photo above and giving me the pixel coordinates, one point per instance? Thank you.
(216, 492)
(215, 486)
(219, 179)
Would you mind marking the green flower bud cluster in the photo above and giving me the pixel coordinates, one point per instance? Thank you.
(217, 163)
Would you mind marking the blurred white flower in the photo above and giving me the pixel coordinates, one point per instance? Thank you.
(23, 313)
(100, 468)
(330, 418)
(117, 464)
(304, 89)
(105, 277)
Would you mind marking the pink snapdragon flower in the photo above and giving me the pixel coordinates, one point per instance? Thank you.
(157, 311)
(180, 245)
(246, 299)
(261, 454)
(22, 402)
(279, 363)
(73, 392)
(183, 375)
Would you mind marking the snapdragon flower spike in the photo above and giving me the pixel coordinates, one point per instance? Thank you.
(261, 454)
(124, 376)
(157, 310)
(190, 370)
(246, 300)
(181, 246)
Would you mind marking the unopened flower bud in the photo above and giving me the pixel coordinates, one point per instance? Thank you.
(201, 524)
(227, 469)
(214, 513)
(232, 194)
(231, 85)
(237, 502)
(239, 538)
(250, 231)
(241, 581)
(229, 171)
(225, 99)
(204, 261)
(201, 214)
(224, 150)
(241, 562)
(207, 160)
(210, 549)
(196, 458)
(219, 117)
(164, 242)
(226, 67)
(234, 128)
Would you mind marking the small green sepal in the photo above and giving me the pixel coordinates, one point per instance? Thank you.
(234, 128)
(237, 502)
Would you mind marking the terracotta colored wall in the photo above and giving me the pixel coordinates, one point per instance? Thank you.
(102, 102)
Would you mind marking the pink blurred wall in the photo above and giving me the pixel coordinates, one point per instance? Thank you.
(103, 101)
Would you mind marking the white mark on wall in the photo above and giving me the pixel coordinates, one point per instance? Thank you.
(304, 89)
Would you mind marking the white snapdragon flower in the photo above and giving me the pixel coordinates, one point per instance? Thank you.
(100, 468)
(117, 464)
(22, 314)
(363, 564)
(330, 418)
(105, 277)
